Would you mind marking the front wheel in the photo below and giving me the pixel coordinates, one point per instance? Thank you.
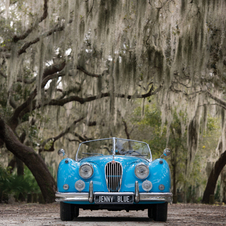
(68, 211)
(160, 212)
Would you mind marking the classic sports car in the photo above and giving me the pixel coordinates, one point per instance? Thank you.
(113, 174)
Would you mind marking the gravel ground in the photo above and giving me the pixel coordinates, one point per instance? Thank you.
(48, 214)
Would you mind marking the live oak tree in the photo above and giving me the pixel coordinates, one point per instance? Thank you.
(44, 62)
(97, 55)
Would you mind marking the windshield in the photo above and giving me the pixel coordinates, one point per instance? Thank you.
(113, 146)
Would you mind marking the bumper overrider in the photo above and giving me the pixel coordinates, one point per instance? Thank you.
(89, 196)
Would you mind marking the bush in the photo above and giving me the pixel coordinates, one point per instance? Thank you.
(18, 186)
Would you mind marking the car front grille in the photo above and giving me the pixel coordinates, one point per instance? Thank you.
(113, 174)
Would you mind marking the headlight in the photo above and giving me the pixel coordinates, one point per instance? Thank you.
(142, 171)
(86, 171)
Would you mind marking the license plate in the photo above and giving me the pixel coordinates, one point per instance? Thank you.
(113, 199)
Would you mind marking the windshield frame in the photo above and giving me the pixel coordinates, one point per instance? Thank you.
(114, 140)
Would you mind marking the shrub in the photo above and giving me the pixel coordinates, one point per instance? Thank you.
(18, 186)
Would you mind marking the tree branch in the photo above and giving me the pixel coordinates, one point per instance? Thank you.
(30, 104)
(56, 28)
(26, 81)
(54, 139)
(61, 102)
(67, 92)
(126, 128)
(82, 138)
(49, 71)
(218, 100)
(12, 102)
(16, 38)
(88, 73)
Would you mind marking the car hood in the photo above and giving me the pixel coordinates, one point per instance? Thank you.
(123, 159)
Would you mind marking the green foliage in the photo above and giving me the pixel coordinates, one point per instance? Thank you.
(189, 180)
(158, 132)
(17, 185)
(212, 124)
(217, 193)
(48, 145)
(152, 120)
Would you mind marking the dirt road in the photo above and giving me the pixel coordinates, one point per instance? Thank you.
(178, 214)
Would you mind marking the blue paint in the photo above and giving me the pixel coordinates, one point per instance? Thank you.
(68, 173)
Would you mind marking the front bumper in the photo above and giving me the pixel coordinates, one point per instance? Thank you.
(138, 197)
(83, 197)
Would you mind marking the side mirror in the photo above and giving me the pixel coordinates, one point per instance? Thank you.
(166, 152)
(61, 152)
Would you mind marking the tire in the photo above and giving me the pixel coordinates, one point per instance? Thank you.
(66, 211)
(160, 212)
(76, 212)
(150, 212)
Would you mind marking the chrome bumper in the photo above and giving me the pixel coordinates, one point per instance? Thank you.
(138, 197)
(143, 197)
(154, 196)
(72, 196)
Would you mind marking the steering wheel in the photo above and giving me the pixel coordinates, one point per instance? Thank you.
(122, 151)
(132, 151)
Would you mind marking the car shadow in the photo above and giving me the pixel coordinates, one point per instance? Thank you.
(114, 219)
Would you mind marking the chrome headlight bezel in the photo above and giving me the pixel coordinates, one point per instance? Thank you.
(80, 185)
(86, 171)
(147, 185)
(141, 171)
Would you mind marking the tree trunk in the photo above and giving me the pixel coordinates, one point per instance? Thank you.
(212, 180)
(223, 185)
(31, 159)
(174, 166)
(174, 183)
(20, 167)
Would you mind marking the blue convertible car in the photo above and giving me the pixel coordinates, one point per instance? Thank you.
(113, 174)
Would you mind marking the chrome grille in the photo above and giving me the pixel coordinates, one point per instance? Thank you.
(113, 174)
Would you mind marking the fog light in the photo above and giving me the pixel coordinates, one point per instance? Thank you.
(79, 185)
(147, 185)
(161, 187)
(66, 186)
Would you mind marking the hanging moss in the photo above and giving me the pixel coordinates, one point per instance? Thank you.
(179, 45)
(183, 6)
